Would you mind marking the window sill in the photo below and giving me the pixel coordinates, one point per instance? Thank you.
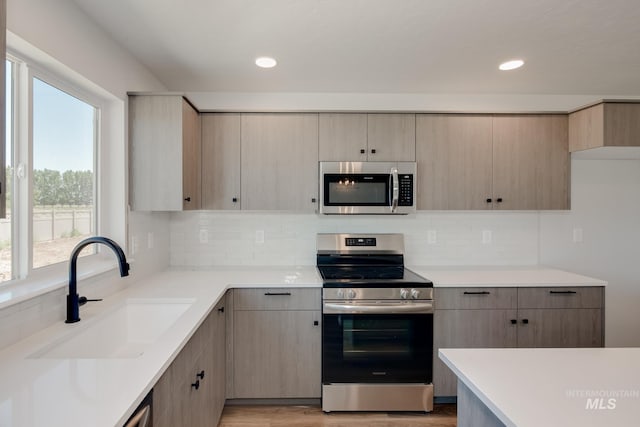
(51, 278)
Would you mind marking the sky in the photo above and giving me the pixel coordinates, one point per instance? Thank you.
(63, 129)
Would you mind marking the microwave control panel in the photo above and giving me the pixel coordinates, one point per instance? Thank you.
(406, 190)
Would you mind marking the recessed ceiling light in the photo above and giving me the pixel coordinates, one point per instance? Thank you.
(266, 62)
(511, 65)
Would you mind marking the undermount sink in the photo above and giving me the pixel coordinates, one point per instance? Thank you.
(125, 332)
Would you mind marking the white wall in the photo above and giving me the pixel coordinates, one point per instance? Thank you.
(66, 40)
(290, 239)
(605, 204)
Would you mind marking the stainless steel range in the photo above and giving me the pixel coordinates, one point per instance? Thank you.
(377, 333)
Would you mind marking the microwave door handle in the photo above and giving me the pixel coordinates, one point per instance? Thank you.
(395, 185)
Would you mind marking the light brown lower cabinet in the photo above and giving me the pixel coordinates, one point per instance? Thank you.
(276, 343)
(513, 317)
(191, 392)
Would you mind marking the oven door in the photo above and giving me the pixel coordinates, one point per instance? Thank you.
(373, 347)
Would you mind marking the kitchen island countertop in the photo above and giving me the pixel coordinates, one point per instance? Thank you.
(546, 386)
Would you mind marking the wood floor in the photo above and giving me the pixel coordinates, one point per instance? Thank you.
(443, 415)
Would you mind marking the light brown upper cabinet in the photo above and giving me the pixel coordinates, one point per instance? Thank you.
(366, 137)
(279, 161)
(164, 140)
(530, 162)
(466, 162)
(454, 155)
(615, 124)
(221, 161)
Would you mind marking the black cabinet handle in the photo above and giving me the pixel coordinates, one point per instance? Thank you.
(278, 294)
(316, 323)
(499, 200)
(563, 292)
(525, 321)
(200, 375)
(476, 292)
(196, 385)
(313, 200)
(187, 199)
(514, 321)
(362, 151)
(489, 200)
(373, 151)
(234, 200)
(221, 309)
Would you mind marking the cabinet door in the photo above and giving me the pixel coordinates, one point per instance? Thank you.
(530, 162)
(221, 161)
(277, 354)
(391, 137)
(468, 329)
(454, 155)
(279, 161)
(576, 327)
(191, 155)
(219, 371)
(155, 135)
(342, 137)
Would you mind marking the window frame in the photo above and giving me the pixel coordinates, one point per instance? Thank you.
(25, 69)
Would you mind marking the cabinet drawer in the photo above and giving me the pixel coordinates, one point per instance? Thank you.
(557, 297)
(474, 298)
(277, 299)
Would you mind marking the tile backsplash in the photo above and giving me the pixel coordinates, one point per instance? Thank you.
(201, 239)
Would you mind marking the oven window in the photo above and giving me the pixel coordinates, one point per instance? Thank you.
(377, 338)
(356, 190)
(377, 348)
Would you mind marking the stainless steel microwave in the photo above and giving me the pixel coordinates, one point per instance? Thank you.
(386, 188)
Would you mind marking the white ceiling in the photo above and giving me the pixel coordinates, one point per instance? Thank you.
(571, 47)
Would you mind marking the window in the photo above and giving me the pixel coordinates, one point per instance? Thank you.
(63, 173)
(52, 204)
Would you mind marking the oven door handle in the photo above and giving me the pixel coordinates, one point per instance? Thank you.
(378, 308)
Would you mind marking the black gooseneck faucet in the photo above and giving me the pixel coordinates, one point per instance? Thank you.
(73, 300)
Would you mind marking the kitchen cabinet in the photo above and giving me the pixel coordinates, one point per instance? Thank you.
(279, 155)
(559, 317)
(221, 161)
(530, 162)
(366, 137)
(455, 161)
(470, 318)
(607, 124)
(276, 343)
(165, 149)
(192, 390)
(513, 317)
(492, 162)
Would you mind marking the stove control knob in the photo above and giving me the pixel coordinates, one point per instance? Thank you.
(340, 293)
(404, 294)
(351, 294)
(415, 293)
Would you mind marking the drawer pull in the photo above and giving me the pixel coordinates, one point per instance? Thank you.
(200, 375)
(476, 292)
(514, 321)
(196, 385)
(525, 321)
(278, 294)
(562, 292)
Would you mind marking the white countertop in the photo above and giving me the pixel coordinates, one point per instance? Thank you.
(552, 387)
(530, 276)
(104, 392)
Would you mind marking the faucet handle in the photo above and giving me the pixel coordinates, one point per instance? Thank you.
(84, 300)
